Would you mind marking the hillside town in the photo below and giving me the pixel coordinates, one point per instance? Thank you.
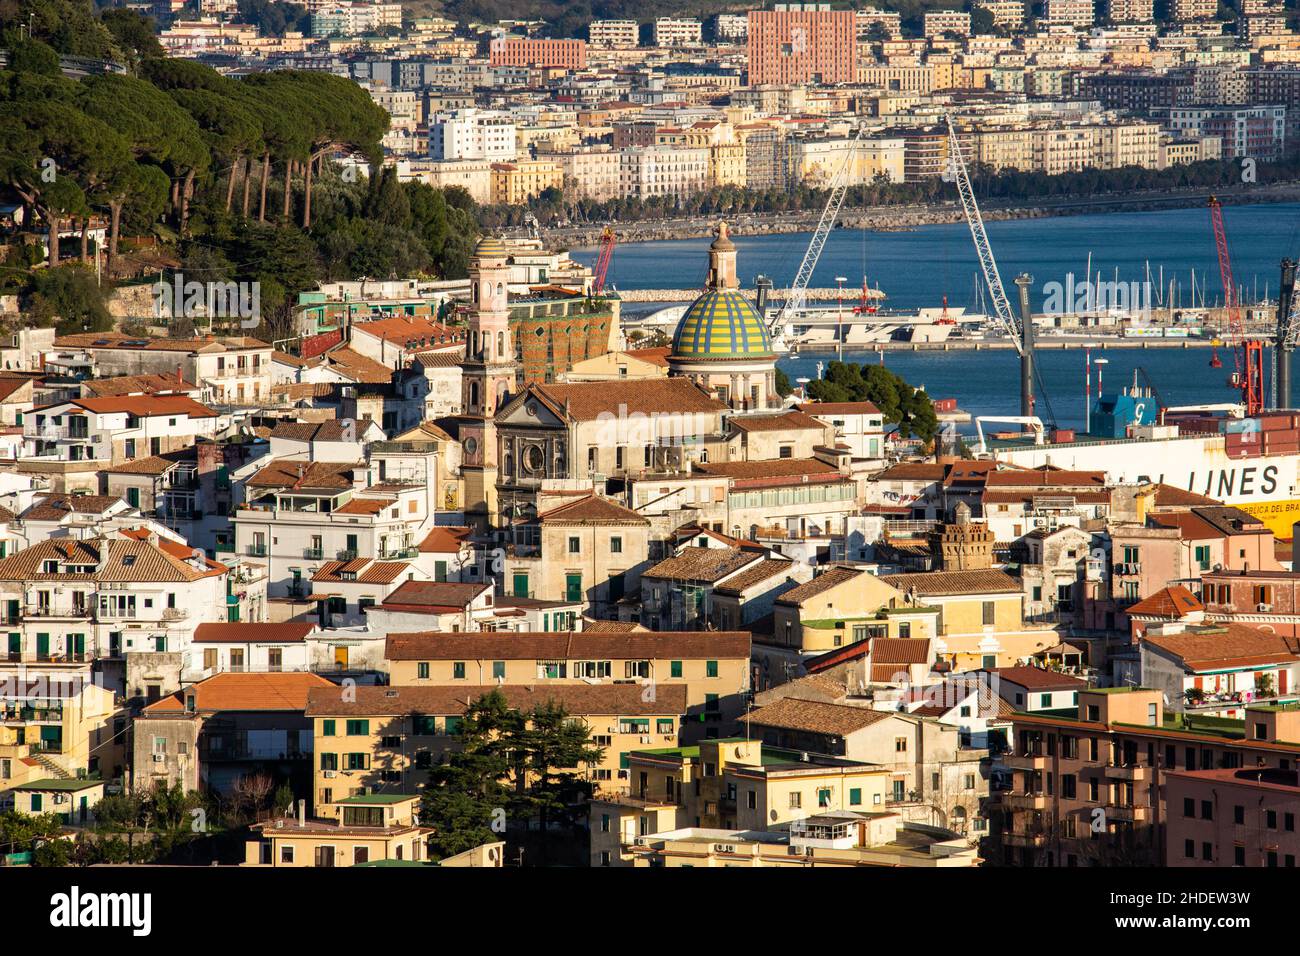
(413, 551)
(774, 98)
(789, 634)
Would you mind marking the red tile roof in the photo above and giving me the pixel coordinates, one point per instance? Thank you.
(1171, 602)
(288, 632)
(246, 692)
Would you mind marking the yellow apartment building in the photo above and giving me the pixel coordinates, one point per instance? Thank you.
(365, 829)
(713, 666)
(515, 183)
(981, 617)
(592, 550)
(387, 738)
(838, 608)
(59, 726)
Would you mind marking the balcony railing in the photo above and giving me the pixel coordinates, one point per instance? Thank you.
(41, 609)
(257, 550)
(313, 554)
(348, 554)
(115, 612)
(399, 554)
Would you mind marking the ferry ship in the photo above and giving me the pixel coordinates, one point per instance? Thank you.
(1250, 463)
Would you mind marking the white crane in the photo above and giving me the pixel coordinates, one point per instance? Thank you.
(1003, 315)
(797, 297)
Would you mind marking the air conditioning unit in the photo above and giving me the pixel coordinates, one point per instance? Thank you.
(60, 798)
(159, 758)
(1265, 607)
(724, 848)
(328, 774)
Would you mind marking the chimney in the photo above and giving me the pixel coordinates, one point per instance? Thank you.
(302, 813)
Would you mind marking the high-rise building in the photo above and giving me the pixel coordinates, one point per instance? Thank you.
(802, 43)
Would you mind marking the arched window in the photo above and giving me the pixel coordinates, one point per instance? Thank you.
(501, 344)
(473, 394)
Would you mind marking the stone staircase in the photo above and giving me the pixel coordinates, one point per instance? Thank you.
(55, 768)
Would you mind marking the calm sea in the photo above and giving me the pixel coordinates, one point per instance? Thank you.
(917, 268)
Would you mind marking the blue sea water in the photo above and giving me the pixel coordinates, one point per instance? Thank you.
(916, 269)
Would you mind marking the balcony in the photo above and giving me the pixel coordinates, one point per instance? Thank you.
(1025, 761)
(1023, 838)
(111, 612)
(348, 554)
(1135, 772)
(399, 554)
(23, 715)
(174, 614)
(1128, 813)
(1014, 800)
(313, 554)
(43, 610)
(257, 550)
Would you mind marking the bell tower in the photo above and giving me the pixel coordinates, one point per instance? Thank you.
(487, 376)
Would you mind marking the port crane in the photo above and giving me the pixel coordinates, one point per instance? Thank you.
(607, 242)
(1247, 354)
(1019, 330)
(797, 298)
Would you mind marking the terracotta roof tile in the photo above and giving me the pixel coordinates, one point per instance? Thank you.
(764, 570)
(702, 564)
(293, 473)
(145, 406)
(444, 540)
(1170, 602)
(588, 401)
(567, 645)
(365, 506)
(288, 632)
(831, 577)
(612, 700)
(813, 716)
(151, 384)
(434, 596)
(772, 468)
(1036, 678)
(593, 509)
(838, 408)
(940, 583)
(1225, 645)
(787, 421)
(246, 692)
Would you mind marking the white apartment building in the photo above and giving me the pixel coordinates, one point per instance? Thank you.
(613, 34)
(939, 22)
(1005, 13)
(473, 134)
(298, 515)
(890, 20)
(248, 647)
(731, 27)
(354, 19)
(232, 371)
(1130, 11)
(594, 173)
(663, 171)
(1194, 9)
(71, 601)
(116, 428)
(678, 31)
(1075, 13)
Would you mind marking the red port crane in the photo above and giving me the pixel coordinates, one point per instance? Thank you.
(1247, 354)
(607, 242)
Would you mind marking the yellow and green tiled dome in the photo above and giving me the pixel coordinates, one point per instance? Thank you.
(721, 324)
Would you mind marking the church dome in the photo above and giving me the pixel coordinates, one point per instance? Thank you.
(490, 246)
(721, 324)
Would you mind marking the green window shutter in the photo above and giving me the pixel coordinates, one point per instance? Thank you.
(711, 669)
(676, 668)
(458, 670)
(498, 670)
(453, 726)
(358, 728)
(327, 728)
(855, 796)
(36, 803)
